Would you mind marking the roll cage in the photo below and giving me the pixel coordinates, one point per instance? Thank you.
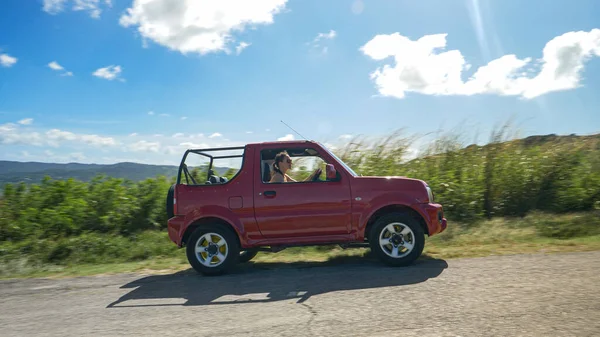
(204, 152)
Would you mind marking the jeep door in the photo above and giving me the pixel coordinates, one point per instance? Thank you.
(303, 208)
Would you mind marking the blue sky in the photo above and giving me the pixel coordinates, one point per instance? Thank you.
(134, 80)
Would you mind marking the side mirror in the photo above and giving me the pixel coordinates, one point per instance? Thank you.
(330, 171)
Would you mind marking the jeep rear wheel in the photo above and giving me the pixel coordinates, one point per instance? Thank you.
(397, 239)
(212, 249)
(170, 195)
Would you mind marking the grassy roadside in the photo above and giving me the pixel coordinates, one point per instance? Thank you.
(536, 233)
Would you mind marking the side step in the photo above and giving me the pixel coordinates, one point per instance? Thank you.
(276, 249)
(354, 245)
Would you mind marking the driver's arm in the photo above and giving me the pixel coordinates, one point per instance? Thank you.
(312, 175)
(290, 178)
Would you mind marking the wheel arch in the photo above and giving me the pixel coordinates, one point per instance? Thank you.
(394, 208)
(206, 221)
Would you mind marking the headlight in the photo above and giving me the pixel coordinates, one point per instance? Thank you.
(429, 193)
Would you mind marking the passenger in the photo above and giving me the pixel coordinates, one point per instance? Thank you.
(281, 165)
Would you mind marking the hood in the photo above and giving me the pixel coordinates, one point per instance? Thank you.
(415, 188)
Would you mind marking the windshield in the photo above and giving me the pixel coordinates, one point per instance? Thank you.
(340, 161)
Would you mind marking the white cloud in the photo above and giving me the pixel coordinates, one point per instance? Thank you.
(183, 118)
(55, 66)
(150, 113)
(7, 127)
(243, 45)
(214, 135)
(93, 7)
(179, 149)
(286, 137)
(77, 156)
(26, 121)
(56, 136)
(97, 140)
(54, 6)
(13, 134)
(108, 73)
(316, 42)
(191, 26)
(164, 115)
(7, 60)
(68, 146)
(329, 36)
(59, 135)
(420, 66)
(346, 137)
(145, 146)
(191, 145)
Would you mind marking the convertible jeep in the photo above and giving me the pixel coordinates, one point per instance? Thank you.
(223, 217)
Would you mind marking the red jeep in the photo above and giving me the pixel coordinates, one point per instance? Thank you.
(224, 221)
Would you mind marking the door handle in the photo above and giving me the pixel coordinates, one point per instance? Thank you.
(270, 193)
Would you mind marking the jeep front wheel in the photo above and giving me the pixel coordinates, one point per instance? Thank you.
(397, 239)
(212, 249)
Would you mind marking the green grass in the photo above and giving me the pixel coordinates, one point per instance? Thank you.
(517, 236)
(152, 252)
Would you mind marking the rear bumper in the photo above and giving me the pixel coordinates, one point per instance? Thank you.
(175, 229)
(434, 216)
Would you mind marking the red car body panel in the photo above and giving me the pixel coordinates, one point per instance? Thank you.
(380, 192)
(265, 214)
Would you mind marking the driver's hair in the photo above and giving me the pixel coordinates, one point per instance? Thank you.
(281, 156)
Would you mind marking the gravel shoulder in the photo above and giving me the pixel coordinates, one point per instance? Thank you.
(518, 295)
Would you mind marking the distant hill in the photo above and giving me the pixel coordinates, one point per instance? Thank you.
(590, 142)
(34, 172)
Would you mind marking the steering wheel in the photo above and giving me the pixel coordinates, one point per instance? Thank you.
(316, 176)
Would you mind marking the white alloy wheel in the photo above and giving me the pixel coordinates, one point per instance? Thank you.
(211, 250)
(397, 240)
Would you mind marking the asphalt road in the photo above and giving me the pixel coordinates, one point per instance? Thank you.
(523, 295)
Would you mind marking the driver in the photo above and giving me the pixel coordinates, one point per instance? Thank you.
(283, 163)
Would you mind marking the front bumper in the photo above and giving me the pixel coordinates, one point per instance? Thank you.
(434, 216)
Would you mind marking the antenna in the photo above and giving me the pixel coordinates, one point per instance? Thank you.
(294, 130)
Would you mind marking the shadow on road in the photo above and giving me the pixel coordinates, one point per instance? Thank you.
(267, 282)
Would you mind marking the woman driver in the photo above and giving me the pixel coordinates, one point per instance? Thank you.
(281, 165)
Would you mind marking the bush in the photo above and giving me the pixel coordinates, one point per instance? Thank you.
(58, 209)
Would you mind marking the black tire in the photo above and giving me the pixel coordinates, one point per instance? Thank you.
(231, 255)
(247, 255)
(170, 195)
(417, 237)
